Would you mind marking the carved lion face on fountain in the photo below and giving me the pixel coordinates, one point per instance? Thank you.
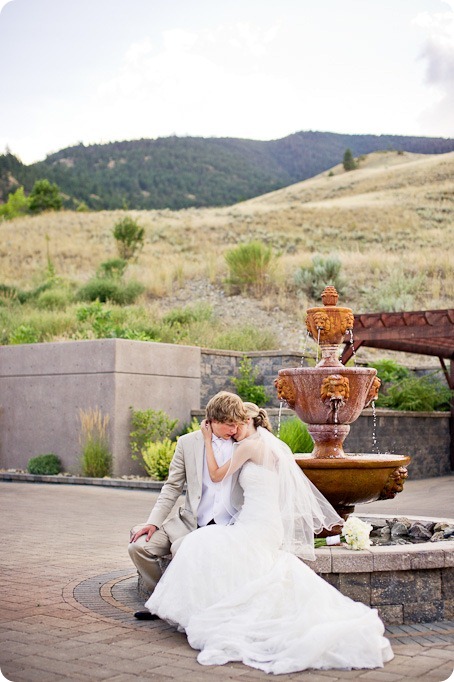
(335, 387)
(373, 391)
(347, 322)
(285, 391)
(394, 484)
(322, 321)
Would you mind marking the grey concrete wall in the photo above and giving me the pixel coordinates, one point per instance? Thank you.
(43, 387)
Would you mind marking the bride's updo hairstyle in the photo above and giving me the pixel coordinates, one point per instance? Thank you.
(258, 415)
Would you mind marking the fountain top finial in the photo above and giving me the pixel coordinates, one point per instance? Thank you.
(330, 296)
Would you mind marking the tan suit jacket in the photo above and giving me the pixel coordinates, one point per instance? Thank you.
(186, 467)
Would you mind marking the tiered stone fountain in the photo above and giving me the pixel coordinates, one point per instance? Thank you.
(328, 398)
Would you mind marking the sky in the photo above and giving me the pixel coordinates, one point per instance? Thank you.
(98, 71)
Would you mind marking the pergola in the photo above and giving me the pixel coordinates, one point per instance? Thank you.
(427, 332)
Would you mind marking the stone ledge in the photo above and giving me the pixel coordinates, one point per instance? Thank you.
(82, 480)
(423, 556)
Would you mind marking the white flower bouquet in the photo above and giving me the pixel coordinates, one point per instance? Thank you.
(355, 533)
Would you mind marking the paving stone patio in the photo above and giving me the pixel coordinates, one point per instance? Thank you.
(68, 593)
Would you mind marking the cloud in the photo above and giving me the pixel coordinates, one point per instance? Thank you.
(193, 83)
(438, 53)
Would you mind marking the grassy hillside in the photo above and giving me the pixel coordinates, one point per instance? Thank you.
(199, 172)
(390, 223)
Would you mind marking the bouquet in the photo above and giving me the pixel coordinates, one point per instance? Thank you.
(355, 533)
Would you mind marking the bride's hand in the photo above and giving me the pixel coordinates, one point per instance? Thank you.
(206, 430)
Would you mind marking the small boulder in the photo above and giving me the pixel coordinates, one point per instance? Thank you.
(398, 529)
(418, 531)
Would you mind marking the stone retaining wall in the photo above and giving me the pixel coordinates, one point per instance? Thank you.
(424, 436)
(219, 366)
(407, 584)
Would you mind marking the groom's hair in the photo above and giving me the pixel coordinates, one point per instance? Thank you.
(226, 407)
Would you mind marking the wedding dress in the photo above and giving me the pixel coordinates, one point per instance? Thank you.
(240, 597)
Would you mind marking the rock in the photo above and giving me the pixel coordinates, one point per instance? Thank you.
(418, 531)
(448, 532)
(398, 529)
(437, 537)
(440, 525)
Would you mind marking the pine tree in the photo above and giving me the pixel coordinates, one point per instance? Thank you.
(349, 161)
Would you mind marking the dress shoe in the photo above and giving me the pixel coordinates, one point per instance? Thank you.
(145, 615)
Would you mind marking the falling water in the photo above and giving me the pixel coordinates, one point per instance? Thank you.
(318, 344)
(279, 418)
(350, 333)
(374, 428)
(304, 344)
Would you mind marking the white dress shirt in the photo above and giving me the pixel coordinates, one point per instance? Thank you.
(214, 503)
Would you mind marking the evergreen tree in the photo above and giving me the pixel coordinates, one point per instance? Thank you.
(45, 196)
(349, 161)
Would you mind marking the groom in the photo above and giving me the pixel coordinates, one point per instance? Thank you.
(205, 502)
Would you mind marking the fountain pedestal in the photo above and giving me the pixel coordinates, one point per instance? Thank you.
(328, 398)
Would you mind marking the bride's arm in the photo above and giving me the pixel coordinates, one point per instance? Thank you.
(217, 473)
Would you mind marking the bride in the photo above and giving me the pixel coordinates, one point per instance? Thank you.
(241, 593)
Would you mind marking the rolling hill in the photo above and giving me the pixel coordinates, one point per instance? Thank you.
(188, 172)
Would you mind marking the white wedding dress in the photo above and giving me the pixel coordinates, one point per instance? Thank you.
(239, 597)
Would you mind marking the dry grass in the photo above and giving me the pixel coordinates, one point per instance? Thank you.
(389, 222)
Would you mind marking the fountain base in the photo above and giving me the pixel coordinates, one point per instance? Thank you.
(354, 479)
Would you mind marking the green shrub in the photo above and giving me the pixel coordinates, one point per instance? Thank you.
(138, 334)
(417, 394)
(157, 457)
(389, 371)
(108, 289)
(33, 294)
(129, 236)
(194, 425)
(96, 457)
(16, 205)
(395, 291)
(8, 294)
(294, 432)
(149, 426)
(180, 317)
(54, 299)
(246, 385)
(44, 465)
(250, 267)
(23, 334)
(112, 269)
(99, 317)
(323, 272)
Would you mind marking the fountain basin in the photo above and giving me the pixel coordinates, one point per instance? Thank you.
(355, 479)
(323, 394)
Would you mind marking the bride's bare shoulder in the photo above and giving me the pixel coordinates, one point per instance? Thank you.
(250, 448)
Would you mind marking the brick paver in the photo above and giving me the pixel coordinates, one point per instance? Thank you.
(67, 594)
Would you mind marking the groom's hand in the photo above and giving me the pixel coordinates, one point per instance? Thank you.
(146, 530)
